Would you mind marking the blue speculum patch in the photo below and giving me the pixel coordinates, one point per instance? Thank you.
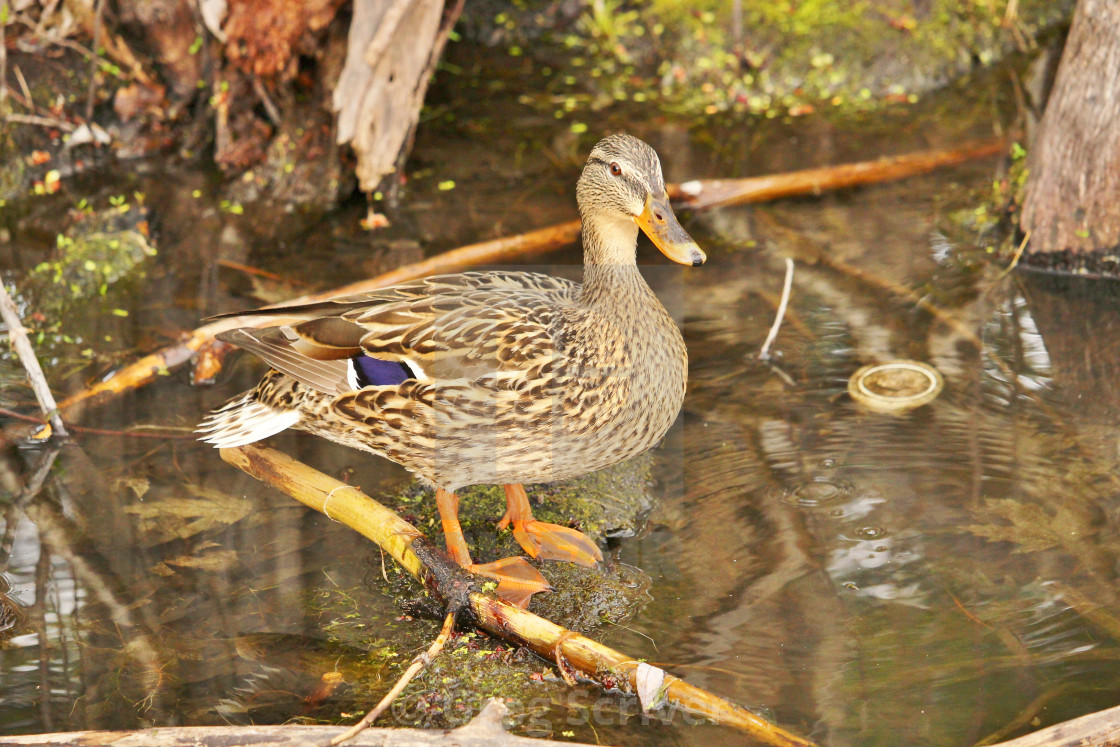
(375, 372)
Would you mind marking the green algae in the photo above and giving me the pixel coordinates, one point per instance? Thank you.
(787, 57)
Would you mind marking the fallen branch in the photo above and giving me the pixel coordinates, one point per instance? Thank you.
(484, 730)
(451, 585)
(151, 366)
(34, 119)
(17, 335)
(698, 195)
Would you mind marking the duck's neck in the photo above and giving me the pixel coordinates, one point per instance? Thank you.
(610, 272)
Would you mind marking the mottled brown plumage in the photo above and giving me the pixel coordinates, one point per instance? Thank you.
(512, 377)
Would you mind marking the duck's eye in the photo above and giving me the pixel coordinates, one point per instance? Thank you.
(616, 169)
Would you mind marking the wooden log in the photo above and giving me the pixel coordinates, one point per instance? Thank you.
(430, 565)
(484, 730)
(1100, 729)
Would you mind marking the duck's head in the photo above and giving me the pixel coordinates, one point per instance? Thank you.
(622, 185)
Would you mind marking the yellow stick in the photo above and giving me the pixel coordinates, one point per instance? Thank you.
(400, 539)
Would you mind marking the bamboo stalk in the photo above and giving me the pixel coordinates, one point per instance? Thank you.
(697, 195)
(348, 505)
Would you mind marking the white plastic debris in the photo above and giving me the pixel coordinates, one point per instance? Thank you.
(651, 686)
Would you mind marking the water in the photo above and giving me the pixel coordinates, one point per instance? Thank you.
(927, 579)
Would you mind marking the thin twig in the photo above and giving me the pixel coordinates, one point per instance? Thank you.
(414, 668)
(270, 108)
(764, 354)
(25, 88)
(19, 99)
(4, 11)
(187, 433)
(1015, 257)
(95, 60)
(248, 270)
(17, 335)
(34, 119)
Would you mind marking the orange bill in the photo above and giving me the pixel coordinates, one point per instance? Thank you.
(666, 232)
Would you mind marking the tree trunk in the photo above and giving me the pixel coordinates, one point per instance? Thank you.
(1071, 208)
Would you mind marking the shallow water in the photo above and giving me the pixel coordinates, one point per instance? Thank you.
(928, 579)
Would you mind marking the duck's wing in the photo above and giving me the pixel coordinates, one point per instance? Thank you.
(444, 327)
(465, 335)
(436, 285)
(277, 346)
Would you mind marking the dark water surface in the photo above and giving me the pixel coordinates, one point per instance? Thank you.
(929, 579)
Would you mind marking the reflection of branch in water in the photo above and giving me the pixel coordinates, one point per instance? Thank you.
(1091, 609)
(38, 614)
(1027, 715)
(61, 537)
(13, 619)
(12, 616)
(22, 496)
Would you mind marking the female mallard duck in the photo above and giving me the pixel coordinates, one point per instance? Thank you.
(492, 377)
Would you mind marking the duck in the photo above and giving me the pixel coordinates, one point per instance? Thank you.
(492, 377)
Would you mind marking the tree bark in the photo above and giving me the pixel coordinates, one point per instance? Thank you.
(1070, 206)
(393, 50)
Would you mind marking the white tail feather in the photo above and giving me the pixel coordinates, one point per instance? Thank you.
(244, 421)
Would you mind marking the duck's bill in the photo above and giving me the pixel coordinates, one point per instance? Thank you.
(666, 232)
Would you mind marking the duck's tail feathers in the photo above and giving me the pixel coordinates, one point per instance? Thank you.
(244, 421)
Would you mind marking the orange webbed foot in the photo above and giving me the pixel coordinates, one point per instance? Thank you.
(554, 542)
(517, 579)
(541, 539)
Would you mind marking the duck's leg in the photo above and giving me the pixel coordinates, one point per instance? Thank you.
(517, 579)
(543, 540)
